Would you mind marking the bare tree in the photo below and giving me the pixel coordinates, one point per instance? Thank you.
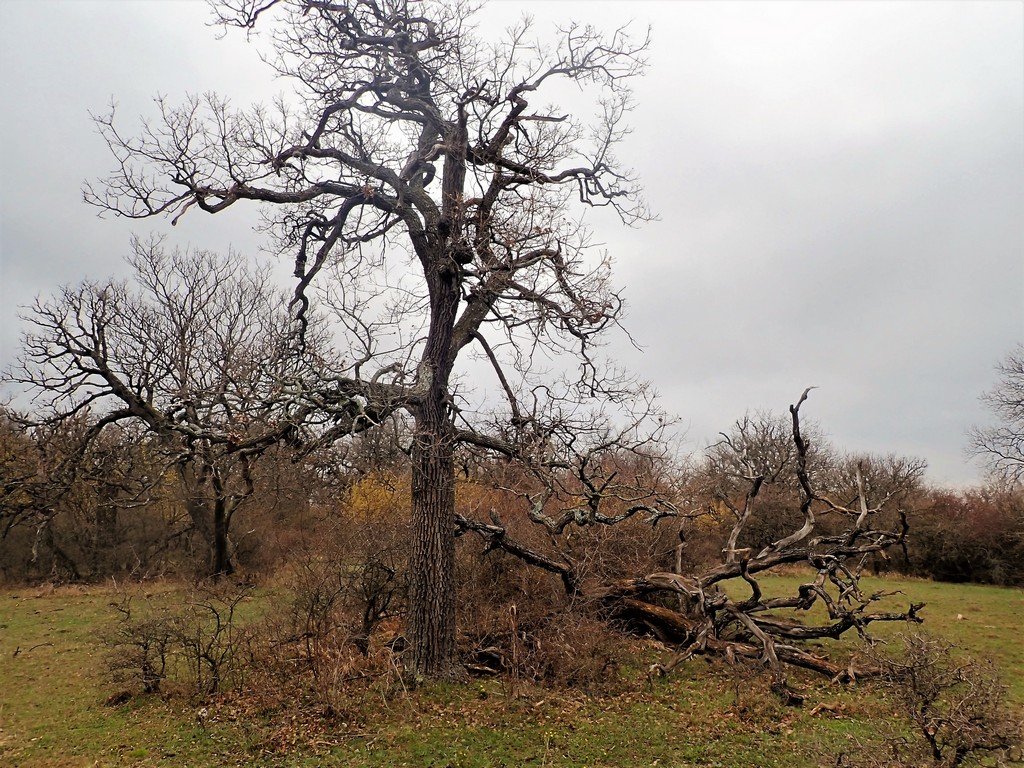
(39, 471)
(197, 352)
(429, 171)
(1001, 446)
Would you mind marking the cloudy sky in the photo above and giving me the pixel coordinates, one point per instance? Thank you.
(840, 189)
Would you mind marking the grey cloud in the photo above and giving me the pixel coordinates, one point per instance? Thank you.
(839, 184)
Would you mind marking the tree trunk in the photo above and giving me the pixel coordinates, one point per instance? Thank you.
(221, 562)
(60, 557)
(104, 537)
(210, 521)
(432, 573)
(432, 565)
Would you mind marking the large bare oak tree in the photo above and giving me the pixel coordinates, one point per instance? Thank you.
(427, 168)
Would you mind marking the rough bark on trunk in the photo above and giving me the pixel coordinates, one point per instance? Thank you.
(432, 565)
(432, 587)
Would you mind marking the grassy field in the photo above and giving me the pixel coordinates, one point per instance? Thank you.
(53, 711)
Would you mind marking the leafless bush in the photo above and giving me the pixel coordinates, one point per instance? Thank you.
(576, 651)
(138, 648)
(317, 589)
(376, 586)
(957, 705)
(516, 623)
(348, 583)
(198, 640)
(315, 655)
(209, 636)
(567, 648)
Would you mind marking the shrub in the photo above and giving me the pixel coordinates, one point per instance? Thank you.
(199, 641)
(209, 637)
(957, 706)
(138, 648)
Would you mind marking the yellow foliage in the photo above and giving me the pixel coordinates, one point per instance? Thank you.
(386, 495)
(377, 496)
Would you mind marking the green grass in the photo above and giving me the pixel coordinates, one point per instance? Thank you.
(52, 710)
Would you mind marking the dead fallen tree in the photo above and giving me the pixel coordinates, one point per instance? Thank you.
(722, 610)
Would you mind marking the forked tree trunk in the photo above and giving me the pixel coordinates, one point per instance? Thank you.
(210, 520)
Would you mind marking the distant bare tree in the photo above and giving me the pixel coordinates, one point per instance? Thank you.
(1001, 446)
(759, 447)
(430, 173)
(39, 471)
(197, 351)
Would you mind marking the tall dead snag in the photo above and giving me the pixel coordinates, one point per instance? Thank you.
(835, 533)
(427, 170)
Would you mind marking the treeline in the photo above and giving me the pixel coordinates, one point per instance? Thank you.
(178, 426)
(118, 505)
(969, 535)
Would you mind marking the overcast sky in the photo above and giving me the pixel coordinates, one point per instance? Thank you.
(840, 189)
